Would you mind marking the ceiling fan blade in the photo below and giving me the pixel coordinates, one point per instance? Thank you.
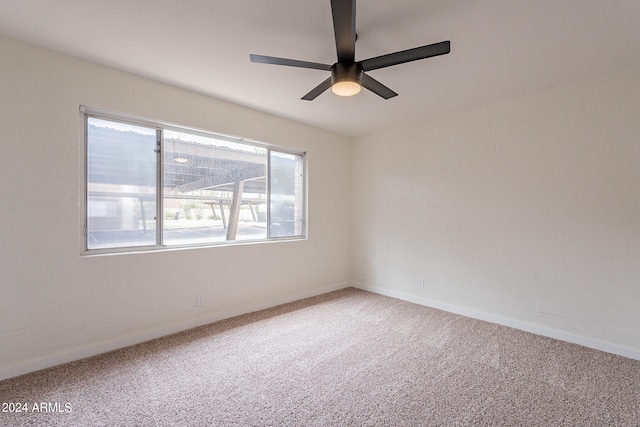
(408, 55)
(288, 62)
(344, 28)
(316, 91)
(376, 87)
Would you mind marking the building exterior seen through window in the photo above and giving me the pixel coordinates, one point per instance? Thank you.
(153, 186)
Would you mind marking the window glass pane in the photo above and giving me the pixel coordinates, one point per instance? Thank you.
(287, 201)
(214, 190)
(121, 184)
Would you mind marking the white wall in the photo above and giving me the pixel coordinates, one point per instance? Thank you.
(525, 212)
(56, 305)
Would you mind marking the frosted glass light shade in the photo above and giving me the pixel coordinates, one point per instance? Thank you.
(346, 88)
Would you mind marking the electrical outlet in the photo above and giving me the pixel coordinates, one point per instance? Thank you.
(200, 300)
(421, 283)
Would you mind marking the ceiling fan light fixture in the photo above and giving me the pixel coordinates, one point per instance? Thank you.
(346, 79)
(346, 88)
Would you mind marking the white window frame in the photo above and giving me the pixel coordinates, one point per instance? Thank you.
(86, 112)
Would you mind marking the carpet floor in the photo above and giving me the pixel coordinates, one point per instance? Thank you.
(346, 358)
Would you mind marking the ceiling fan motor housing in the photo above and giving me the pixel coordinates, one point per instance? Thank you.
(346, 72)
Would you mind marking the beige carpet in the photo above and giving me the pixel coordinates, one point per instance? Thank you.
(347, 358)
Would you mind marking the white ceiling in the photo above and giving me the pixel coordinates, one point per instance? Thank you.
(499, 49)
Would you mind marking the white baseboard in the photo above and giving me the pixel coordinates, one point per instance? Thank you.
(157, 332)
(619, 350)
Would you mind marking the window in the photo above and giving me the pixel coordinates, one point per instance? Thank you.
(151, 185)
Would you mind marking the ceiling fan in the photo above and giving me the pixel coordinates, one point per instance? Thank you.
(348, 75)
